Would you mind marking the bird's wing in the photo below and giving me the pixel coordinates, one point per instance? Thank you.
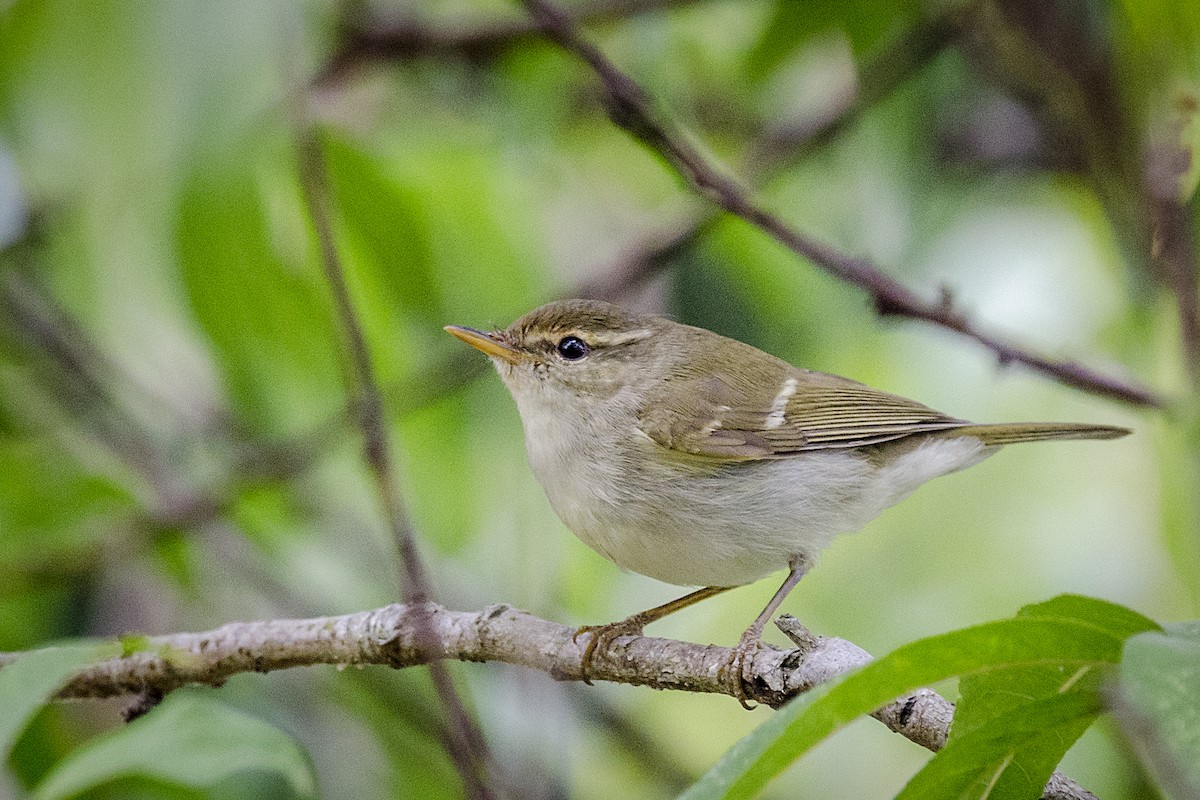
(726, 415)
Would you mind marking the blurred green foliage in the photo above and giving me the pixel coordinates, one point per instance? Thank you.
(176, 747)
(1160, 675)
(176, 443)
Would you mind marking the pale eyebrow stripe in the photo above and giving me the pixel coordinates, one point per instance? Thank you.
(621, 337)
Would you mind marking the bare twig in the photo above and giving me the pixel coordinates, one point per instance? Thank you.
(366, 397)
(630, 108)
(397, 636)
(469, 749)
(1173, 246)
(778, 148)
(79, 375)
(410, 38)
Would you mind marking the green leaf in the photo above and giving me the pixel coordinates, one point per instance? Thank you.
(256, 289)
(1158, 698)
(990, 694)
(479, 227)
(866, 23)
(29, 682)
(1070, 631)
(386, 219)
(1011, 758)
(1188, 107)
(1166, 25)
(49, 503)
(1115, 619)
(188, 742)
(438, 462)
(1012, 726)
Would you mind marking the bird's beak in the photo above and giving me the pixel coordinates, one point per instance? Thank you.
(489, 343)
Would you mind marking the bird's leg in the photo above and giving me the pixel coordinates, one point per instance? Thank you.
(603, 635)
(743, 655)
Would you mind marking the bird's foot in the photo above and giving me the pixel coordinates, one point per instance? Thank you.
(601, 636)
(738, 665)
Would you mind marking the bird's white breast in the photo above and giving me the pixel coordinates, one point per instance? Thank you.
(689, 521)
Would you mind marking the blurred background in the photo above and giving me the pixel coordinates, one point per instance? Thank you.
(176, 449)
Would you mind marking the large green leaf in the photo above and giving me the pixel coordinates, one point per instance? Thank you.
(188, 742)
(1159, 691)
(1170, 26)
(1075, 632)
(49, 503)
(387, 223)
(1012, 757)
(438, 461)
(1012, 750)
(429, 244)
(1178, 471)
(29, 682)
(1013, 724)
(257, 290)
(480, 225)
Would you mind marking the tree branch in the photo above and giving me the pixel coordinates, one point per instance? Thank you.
(630, 108)
(398, 636)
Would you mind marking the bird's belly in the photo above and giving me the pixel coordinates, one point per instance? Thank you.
(723, 526)
(694, 522)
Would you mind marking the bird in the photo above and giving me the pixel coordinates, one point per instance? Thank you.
(702, 461)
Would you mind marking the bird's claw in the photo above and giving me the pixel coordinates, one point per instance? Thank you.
(738, 665)
(601, 636)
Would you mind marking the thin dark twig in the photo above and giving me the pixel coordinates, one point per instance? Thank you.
(367, 398)
(468, 749)
(409, 38)
(630, 108)
(777, 149)
(79, 378)
(1178, 264)
(1173, 243)
(1053, 64)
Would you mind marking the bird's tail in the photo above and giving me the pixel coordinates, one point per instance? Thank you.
(1016, 432)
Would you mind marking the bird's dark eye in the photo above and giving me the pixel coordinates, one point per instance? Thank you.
(572, 348)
